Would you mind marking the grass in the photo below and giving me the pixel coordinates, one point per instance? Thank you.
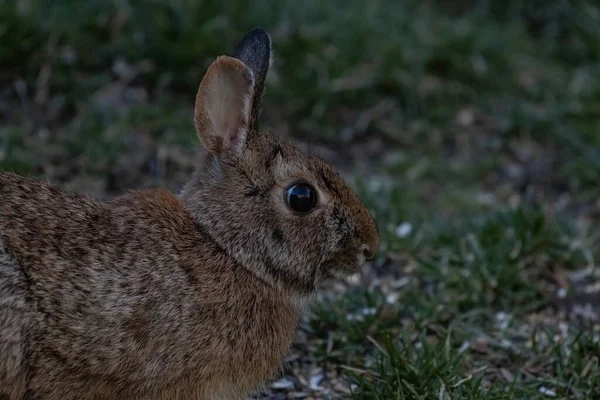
(470, 128)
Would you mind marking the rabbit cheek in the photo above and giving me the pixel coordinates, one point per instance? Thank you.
(340, 261)
(341, 229)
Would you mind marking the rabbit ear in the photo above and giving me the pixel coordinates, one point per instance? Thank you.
(254, 50)
(223, 105)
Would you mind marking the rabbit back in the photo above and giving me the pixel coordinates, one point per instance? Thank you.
(128, 297)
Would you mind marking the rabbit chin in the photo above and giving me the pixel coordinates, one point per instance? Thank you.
(346, 270)
(343, 273)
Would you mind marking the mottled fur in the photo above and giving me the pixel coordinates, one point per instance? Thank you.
(129, 297)
(156, 296)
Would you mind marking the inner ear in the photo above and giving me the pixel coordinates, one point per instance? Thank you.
(223, 105)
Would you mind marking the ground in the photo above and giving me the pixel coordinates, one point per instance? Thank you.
(471, 129)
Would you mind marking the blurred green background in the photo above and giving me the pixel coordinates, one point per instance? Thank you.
(471, 129)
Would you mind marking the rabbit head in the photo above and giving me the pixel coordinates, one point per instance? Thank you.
(285, 214)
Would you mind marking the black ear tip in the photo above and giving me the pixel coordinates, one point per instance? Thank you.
(259, 35)
(255, 39)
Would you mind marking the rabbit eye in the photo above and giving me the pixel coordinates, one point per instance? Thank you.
(301, 197)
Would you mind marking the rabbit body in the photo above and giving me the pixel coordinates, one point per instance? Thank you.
(152, 295)
(127, 299)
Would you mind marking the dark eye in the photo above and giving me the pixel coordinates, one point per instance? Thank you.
(301, 197)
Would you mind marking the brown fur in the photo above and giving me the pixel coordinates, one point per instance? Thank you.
(157, 296)
(131, 297)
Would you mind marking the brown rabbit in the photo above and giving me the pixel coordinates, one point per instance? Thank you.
(159, 296)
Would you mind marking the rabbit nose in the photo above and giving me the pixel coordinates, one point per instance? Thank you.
(367, 251)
